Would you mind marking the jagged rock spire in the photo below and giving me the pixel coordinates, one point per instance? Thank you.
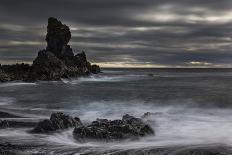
(53, 63)
(58, 36)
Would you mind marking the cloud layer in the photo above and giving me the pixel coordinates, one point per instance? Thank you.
(172, 33)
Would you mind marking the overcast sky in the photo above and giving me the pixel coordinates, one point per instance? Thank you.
(139, 33)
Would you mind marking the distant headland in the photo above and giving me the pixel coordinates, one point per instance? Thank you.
(55, 62)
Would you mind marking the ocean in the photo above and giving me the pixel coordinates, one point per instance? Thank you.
(191, 107)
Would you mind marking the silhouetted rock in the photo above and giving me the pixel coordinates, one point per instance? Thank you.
(57, 121)
(4, 124)
(14, 72)
(53, 63)
(103, 129)
(95, 69)
(58, 36)
(14, 121)
(47, 66)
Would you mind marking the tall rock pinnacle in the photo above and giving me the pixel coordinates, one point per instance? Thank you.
(55, 62)
(58, 36)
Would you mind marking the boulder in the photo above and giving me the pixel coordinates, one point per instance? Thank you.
(95, 69)
(57, 121)
(102, 129)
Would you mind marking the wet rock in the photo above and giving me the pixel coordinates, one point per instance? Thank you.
(4, 77)
(16, 123)
(57, 121)
(150, 114)
(4, 124)
(14, 72)
(20, 123)
(95, 69)
(128, 128)
(16, 149)
(47, 66)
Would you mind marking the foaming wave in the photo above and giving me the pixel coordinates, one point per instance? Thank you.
(6, 101)
(93, 79)
(174, 125)
(103, 78)
(11, 84)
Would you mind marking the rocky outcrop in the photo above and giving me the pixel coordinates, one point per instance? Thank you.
(53, 63)
(95, 69)
(57, 121)
(4, 124)
(14, 72)
(58, 36)
(128, 127)
(107, 130)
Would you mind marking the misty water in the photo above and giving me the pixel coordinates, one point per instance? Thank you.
(190, 106)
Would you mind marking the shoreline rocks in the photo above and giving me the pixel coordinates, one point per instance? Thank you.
(16, 124)
(4, 124)
(7, 148)
(57, 121)
(53, 63)
(128, 127)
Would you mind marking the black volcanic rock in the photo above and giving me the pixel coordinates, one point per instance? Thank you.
(14, 72)
(57, 121)
(107, 130)
(4, 124)
(47, 66)
(95, 69)
(53, 63)
(58, 36)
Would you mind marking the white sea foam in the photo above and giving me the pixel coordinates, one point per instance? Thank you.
(93, 79)
(6, 101)
(12, 84)
(174, 125)
(103, 78)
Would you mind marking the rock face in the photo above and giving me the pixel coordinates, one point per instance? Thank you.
(57, 121)
(14, 72)
(107, 130)
(53, 63)
(58, 36)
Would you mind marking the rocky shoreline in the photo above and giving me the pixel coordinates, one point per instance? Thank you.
(55, 62)
(103, 130)
(128, 127)
(15, 149)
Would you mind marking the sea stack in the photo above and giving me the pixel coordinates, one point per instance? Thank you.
(53, 63)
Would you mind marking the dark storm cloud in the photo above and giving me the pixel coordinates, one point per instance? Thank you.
(154, 32)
